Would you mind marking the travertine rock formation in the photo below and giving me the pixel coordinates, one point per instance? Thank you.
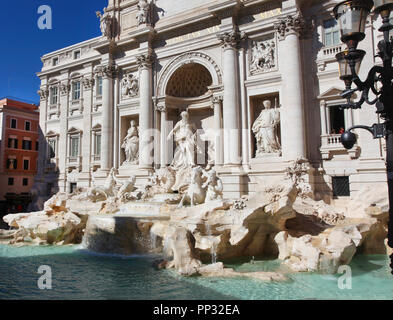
(279, 220)
(56, 224)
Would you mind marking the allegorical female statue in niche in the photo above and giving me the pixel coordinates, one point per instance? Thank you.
(184, 136)
(265, 130)
(131, 144)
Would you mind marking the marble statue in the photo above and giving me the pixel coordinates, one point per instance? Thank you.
(265, 130)
(196, 193)
(105, 23)
(263, 56)
(125, 191)
(184, 136)
(143, 12)
(130, 86)
(213, 184)
(131, 144)
(108, 190)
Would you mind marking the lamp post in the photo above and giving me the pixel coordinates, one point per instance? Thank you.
(352, 16)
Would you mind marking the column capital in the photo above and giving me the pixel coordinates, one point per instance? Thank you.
(106, 70)
(43, 93)
(145, 61)
(217, 100)
(292, 24)
(161, 108)
(231, 39)
(88, 83)
(64, 88)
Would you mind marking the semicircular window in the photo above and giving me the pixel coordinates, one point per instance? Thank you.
(189, 81)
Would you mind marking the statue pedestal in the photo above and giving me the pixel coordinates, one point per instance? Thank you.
(128, 169)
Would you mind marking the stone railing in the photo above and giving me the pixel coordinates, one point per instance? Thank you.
(74, 163)
(331, 145)
(331, 51)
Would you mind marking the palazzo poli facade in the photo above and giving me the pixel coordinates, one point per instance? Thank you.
(256, 81)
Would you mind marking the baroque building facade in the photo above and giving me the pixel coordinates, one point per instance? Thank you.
(19, 148)
(257, 79)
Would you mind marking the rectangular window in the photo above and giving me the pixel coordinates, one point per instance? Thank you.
(73, 187)
(13, 123)
(10, 181)
(52, 148)
(27, 126)
(76, 90)
(331, 33)
(99, 86)
(337, 120)
(26, 164)
(98, 144)
(12, 164)
(37, 146)
(13, 143)
(74, 147)
(77, 54)
(341, 187)
(26, 145)
(53, 95)
(55, 61)
(25, 181)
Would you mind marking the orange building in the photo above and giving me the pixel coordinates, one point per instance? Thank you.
(19, 135)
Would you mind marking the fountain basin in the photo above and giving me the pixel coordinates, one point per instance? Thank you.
(119, 234)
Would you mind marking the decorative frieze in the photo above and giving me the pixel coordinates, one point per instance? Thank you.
(129, 86)
(263, 56)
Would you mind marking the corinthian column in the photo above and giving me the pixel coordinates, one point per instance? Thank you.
(217, 101)
(163, 135)
(145, 62)
(289, 30)
(108, 72)
(231, 113)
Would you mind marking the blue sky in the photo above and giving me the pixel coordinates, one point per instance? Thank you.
(23, 43)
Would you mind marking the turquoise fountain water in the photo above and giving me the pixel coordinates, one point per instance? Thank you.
(78, 274)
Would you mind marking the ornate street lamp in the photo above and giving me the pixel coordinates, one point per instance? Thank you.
(352, 16)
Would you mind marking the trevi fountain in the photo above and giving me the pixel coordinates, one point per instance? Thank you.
(246, 222)
(182, 222)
